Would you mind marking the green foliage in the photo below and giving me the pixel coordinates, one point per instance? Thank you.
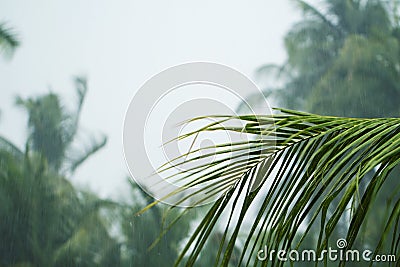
(209, 252)
(45, 221)
(363, 80)
(46, 126)
(141, 245)
(343, 59)
(52, 130)
(314, 175)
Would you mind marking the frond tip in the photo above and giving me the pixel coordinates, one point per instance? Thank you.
(298, 176)
(8, 40)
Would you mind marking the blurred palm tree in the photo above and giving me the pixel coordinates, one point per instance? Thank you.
(45, 220)
(338, 45)
(53, 130)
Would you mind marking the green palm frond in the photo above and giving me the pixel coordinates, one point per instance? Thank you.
(299, 176)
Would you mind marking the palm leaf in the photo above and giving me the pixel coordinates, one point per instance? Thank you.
(81, 90)
(298, 172)
(8, 146)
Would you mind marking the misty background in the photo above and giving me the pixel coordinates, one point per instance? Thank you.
(118, 45)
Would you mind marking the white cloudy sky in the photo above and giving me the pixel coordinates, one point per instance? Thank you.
(120, 44)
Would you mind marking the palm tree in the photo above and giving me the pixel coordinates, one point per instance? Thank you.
(297, 178)
(45, 220)
(52, 130)
(8, 40)
(341, 44)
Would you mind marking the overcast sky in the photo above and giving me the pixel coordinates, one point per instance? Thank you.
(120, 44)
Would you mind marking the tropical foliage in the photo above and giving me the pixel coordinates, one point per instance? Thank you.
(53, 133)
(296, 165)
(323, 178)
(298, 180)
(47, 221)
(343, 59)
